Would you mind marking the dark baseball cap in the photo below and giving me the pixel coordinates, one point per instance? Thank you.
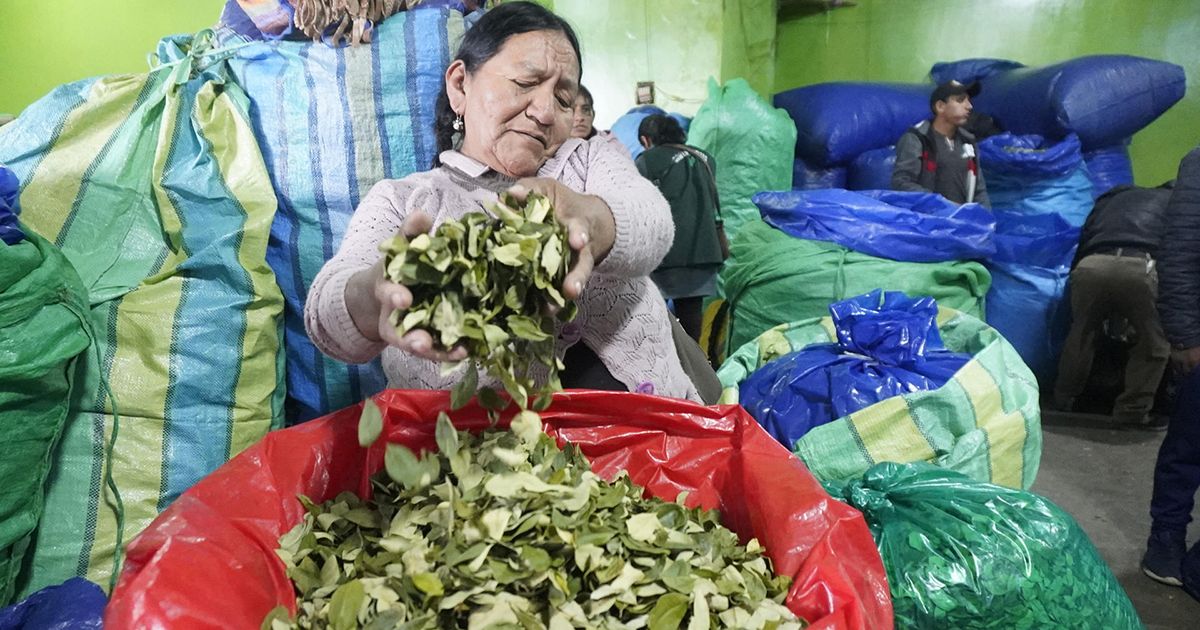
(953, 88)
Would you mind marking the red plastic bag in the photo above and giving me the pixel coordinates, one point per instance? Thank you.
(208, 561)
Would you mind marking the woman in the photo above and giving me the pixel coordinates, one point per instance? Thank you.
(585, 115)
(504, 123)
(685, 175)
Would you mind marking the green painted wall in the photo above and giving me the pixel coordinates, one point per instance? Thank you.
(45, 43)
(898, 40)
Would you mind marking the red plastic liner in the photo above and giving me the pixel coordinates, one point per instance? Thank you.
(208, 561)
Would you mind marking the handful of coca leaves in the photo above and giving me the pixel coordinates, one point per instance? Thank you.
(505, 530)
(489, 285)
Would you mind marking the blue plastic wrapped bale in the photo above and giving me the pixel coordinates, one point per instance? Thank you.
(887, 345)
(970, 70)
(684, 121)
(1109, 167)
(626, 127)
(76, 604)
(904, 226)
(10, 192)
(805, 177)
(872, 170)
(331, 123)
(1027, 302)
(1100, 98)
(1034, 175)
(835, 122)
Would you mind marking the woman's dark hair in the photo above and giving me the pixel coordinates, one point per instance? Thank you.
(587, 95)
(661, 129)
(483, 40)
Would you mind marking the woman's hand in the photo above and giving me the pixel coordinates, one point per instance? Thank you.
(371, 298)
(591, 229)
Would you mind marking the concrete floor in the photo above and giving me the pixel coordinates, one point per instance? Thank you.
(1103, 477)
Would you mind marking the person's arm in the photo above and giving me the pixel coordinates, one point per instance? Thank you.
(906, 172)
(642, 223)
(1179, 265)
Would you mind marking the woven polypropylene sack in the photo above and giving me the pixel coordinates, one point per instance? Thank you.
(774, 278)
(966, 554)
(984, 423)
(154, 188)
(43, 327)
(216, 544)
(332, 122)
(752, 143)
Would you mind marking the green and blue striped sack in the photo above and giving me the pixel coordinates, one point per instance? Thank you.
(985, 422)
(154, 188)
(774, 278)
(331, 123)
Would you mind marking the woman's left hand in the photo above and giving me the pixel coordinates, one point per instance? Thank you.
(591, 229)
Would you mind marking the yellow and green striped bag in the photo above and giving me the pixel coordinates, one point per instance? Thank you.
(154, 188)
(984, 422)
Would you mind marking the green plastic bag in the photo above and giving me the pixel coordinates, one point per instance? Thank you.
(43, 327)
(773, 278)
(155, 190)
(752, 142)
(965, 554)
(984, 422)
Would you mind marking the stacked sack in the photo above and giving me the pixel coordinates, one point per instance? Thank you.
(813, 248)
(154, 189)
(889, 378)
(1103, 99)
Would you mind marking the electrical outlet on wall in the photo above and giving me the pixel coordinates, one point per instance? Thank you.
(645, 92)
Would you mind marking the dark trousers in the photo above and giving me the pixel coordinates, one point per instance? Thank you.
(1101, 286)
(1177, 471)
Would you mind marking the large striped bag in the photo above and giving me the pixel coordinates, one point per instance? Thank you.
(984, 422)
(331, 123)
(153, 187)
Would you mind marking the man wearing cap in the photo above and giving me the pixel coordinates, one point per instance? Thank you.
(938, 155)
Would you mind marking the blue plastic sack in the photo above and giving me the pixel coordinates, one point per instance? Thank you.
(888, 345)
(1033, 175)
(1100, 98)
(10, 191)
(1028, 301)
(872, 170)
(1109, 167)
(970, 70)
(626, 127)
(904, 226)
(805, 177)
(835, 122)
(76, 604)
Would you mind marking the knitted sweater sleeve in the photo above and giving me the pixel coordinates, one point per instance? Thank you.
(644, 227)
(326, 316)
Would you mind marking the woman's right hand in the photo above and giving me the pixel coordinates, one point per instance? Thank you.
(371, 299)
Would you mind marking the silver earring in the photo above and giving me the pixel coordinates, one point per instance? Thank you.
(458, 122)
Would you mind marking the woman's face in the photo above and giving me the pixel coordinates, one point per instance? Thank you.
(517, 106)
(584, 117)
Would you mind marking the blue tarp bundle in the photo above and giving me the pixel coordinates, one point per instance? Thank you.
(76, 604)
(970, 70)
(1027, 302)
(904, 226)
(888, 345)
(10, 191)
(1100, 98)
(1109, 167)
(1033, 175)
(331, 122)
(805, 177)
(872, 170)
(835, 122)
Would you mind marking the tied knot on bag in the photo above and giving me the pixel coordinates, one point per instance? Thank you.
(187, 56)
(873, 503)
